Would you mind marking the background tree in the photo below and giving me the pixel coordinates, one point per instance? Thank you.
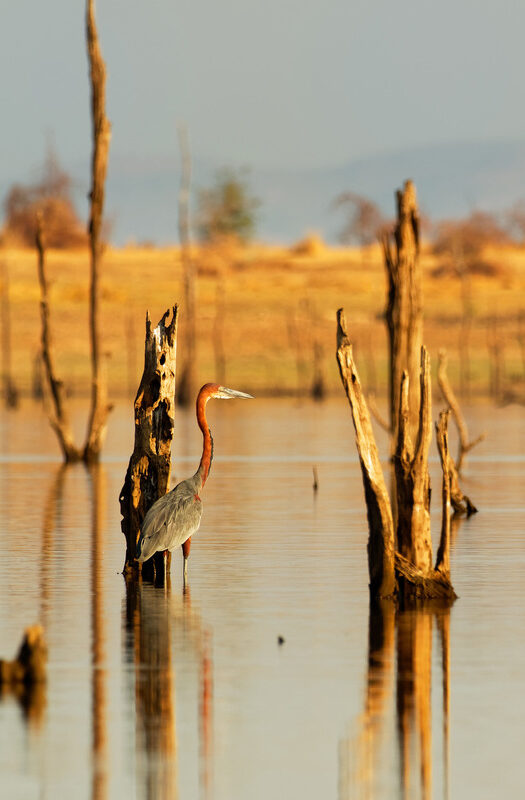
(462, 244)
(364, 223)
(228, 208)
(515, 221)
(51, 198)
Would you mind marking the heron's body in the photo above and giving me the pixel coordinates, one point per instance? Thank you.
(174, 518)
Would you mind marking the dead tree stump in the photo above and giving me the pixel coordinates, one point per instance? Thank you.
(148, 473)
(29, 666)
(401, 564)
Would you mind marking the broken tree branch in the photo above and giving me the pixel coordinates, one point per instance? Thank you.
(380, 522)
(57, 411)
(450, 398)
(9, 388)
(460, 502)
(374, 410)
(443, 555)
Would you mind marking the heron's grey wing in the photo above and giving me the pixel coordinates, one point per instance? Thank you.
(171, 520)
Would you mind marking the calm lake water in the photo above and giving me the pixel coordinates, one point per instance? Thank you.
(153, 693)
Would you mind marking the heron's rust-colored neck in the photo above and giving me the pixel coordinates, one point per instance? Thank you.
(207, 444)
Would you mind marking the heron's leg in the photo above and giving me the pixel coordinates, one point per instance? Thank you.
(186, 554)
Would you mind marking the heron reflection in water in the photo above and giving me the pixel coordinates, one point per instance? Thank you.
(174, 518)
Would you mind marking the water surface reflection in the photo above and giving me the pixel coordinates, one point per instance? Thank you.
(153, 693)
(400, 653)
(155, 618)
(97, 486)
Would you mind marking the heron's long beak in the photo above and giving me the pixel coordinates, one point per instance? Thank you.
(224, 393)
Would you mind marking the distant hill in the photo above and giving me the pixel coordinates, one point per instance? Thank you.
(451, 180)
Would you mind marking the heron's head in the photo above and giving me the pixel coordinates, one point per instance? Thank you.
(223, 393)
(218, 392)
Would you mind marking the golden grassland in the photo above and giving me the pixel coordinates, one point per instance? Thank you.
(267, 307)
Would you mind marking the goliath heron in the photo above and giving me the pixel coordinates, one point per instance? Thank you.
(175, 517)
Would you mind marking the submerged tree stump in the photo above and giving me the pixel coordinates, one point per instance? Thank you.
(25, 676)
(29, 666)
(148, 473)
(400, 564)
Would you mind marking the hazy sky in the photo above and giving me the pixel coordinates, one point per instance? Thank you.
(273, 82)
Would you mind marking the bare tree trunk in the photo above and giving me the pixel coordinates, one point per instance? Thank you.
(371, 372)
(464, 333)
(57, 408)
(187, 382)
(101, 138)
(497, 365)
(520, 336)
(404, 310)
(131, 352)
(218, 335)
(296, 342)
(148, 473)
(318, 390)
(8, 385)
(412, 478)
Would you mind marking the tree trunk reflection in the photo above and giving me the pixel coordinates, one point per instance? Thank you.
(400, 650)
(156, 621)
(99, 787)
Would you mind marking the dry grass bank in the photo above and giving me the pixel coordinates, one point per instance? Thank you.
(276, 305)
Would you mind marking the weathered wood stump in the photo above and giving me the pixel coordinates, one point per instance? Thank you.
(148, 473)
(400, 562)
